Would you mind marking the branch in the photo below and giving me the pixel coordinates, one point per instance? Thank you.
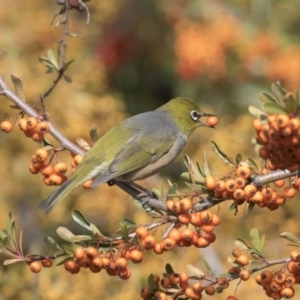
(67, 144)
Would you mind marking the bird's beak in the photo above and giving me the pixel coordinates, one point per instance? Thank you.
(203, 123)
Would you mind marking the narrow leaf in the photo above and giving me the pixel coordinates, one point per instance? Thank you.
(12, 261)
(94, 229)
(256, 112)
(266, 98)
(207, 265)
(94, 134)
(251, 163)
(241, 244)
(124, 232)
(64, 233)
(290, 237)
(255, 239)
(238, 159)
(79, 238)
(194, 271)
(52, 58)
(223, 156)
(273, 108)
(68, 78)
(205, 165)
(169, 269)
(130, 224)
(80, 219)
(279, 91)
(51, 242)
(18, 85)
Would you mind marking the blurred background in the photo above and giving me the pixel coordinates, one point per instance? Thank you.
(133, 57)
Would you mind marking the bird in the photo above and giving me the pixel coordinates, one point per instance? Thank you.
(136, 148)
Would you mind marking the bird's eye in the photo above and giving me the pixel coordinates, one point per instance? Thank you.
(195, 115)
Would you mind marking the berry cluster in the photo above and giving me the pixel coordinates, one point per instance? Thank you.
(174, 285)
(36, 266)
(238, 186)
(280, 140)
(279, 284)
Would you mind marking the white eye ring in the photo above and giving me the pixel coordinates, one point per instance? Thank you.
(195, 115)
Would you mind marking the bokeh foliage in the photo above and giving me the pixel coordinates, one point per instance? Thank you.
(134, 56)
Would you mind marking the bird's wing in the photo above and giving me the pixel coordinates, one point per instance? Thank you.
(141, 151)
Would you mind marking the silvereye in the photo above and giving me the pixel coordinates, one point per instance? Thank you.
(136, 148)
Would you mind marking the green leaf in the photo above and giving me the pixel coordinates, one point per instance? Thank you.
(152, 284)
(52, 59)
(205, 165)
(256, 241)
(252, 165)
(238, 159)
(169, 269)
(274, 108)
(257, 113)
(172, 190)
(94, 133)
(207, 265)
(194, 271)
(94, 229)
(80, 219)
(290, 103)
(266, 98)
(241, 244)
(223, 156)
(18, 85)
(193, 169)
(51, 242)
(68, 250)
(279, 91)
(130, 224)
(250, 207)
(124, 232)
(65, 234)
(68, 63)
(68, 78)
(79, 238)
(290, 237)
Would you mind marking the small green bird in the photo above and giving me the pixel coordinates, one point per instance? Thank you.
(136, 148)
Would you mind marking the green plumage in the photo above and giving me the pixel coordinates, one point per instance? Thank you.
(134, 149)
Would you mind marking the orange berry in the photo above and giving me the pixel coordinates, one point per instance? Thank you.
(242, 260)
(35, 267)
(258, 279)
(37, 137)
(121, 263)
(236, 253)
(184, 218)
(60, 168)
(238, 194)
(149, 242)
(47, 170)
(212, 120)
(223, 283)
(41, 154)
(96, 265)
(250, 190)
(91, 252)
(244, 275)
(136, 256)
(141, 232)
(6, 126)
(46, 180)
(197, 287)
(266, 276)
(267, 192)
(293, 267)
(279, 277)
(240, 182)
(210, 182)
(230, 185)
(187, 234)
(31, 122)
(257, 125)
(79, 253)
(264, 152)
(33, 169)
(145, 292)
(257, 198)
(168, 244)
(295, 255)
(88, 184)
(210, 290)
(243, 171)
(157, 248)
(289, 191)
(125, 274)
(202, 242)
(43, 127)
(23, 124)
(216, 220)
(287, 292)
(173, 206)
(184, 277)
(175, 234)
(206, 217)
(175, 278)
(195, 219)
(208, 227)
(289, 280)
(72, 266)
(165, 282)
(282, 120)
(210, 237)
(220, 186)
(294, 124)
(47, 263)
(185, 204)
(57, 179)
(78, 159)
(279, 183)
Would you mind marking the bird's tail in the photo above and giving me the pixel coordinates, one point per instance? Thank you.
(48, 204)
